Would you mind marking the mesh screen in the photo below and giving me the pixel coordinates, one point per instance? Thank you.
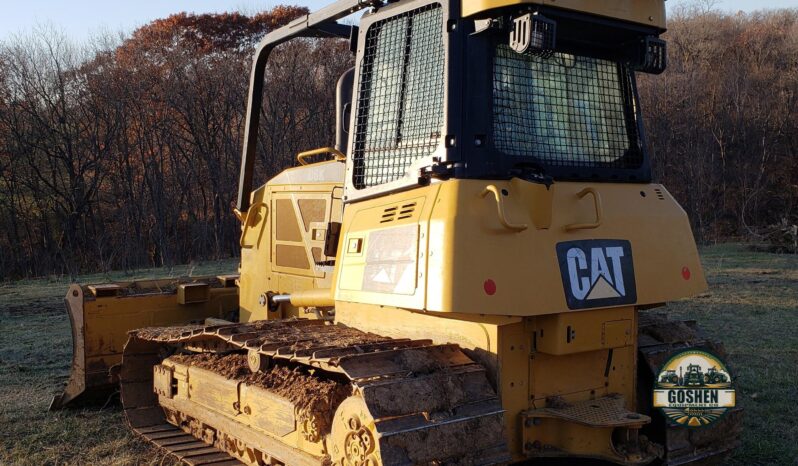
(400, 106)
(564, 110)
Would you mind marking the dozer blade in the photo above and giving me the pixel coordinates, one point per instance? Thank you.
(101, 316)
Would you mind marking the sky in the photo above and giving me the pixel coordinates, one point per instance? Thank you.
(80, 19)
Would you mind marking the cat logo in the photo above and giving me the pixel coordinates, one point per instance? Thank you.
(597, 273)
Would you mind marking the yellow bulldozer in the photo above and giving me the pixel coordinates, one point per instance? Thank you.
(460, 279)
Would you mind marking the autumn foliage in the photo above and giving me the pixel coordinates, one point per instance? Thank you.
(125, 153)
(207, 33)
(722, 123)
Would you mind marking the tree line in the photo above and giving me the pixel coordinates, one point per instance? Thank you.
(124, 152)
(722, 123)
(122, 155)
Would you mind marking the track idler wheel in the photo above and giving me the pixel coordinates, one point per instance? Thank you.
(353, 436)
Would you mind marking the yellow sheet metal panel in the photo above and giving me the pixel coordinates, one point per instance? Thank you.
(622, 374)
(190, 293)
(478, 265)
(579, 376)
(616, 333)
(267, 411)
(648, 12)
(580, 331)
(478, 334)
(572, 376)
(384, 260)
(471, 257)
(286, 259)
(213, 391)
(107, 320)
(514, 349)
(473, 7)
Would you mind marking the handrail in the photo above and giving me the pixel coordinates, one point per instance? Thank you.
(246, 225)
(517, 227)
(337, 155)
(322, 23)
(596, 205)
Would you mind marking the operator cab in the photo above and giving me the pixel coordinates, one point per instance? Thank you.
(526, 91)
(481, 89)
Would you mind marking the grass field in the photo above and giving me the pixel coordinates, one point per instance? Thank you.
(752, 307)
(35, 353)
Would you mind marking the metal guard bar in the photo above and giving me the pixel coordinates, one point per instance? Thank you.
(321, 23)
(337, 155)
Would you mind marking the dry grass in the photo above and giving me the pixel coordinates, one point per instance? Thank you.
(35, 352)
(752, 307)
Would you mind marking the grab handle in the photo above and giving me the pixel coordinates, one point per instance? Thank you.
(337, 155)
(500, 209)
(246, 225)
(596, 205)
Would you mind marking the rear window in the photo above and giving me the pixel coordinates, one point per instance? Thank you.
(564, 110)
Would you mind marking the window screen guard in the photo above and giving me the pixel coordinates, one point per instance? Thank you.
(400, 104)
(564, 111)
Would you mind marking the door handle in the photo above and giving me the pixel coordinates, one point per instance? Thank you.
(596, 205)
(500, 209)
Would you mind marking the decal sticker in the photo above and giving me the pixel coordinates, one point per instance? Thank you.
(693, 389)
(597, 273)
(391, 260)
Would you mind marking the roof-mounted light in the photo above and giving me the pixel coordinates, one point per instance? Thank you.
(533, 33)
(652, 56)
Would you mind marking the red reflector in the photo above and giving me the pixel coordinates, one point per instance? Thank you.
(490, 287)
(685, 273)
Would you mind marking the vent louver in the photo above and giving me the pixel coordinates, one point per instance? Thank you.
(398, 212)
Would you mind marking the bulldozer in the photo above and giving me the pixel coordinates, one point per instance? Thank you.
(464, 277)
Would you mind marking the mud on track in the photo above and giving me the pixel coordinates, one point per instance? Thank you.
(314, 394)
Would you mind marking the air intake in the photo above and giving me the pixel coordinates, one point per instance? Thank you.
(398, 212)
(388, 215)
(406, 211)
